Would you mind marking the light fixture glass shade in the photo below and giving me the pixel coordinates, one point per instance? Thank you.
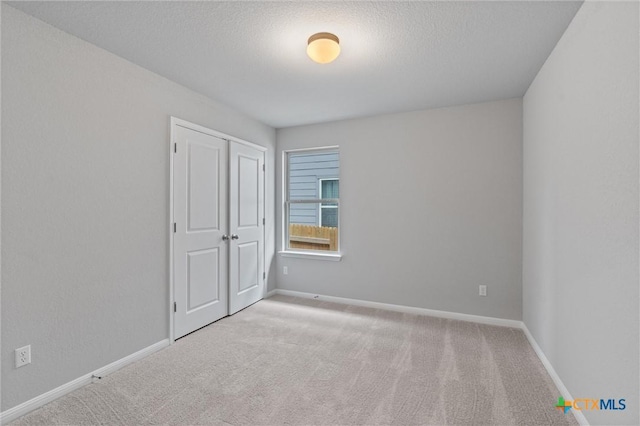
(323, 47)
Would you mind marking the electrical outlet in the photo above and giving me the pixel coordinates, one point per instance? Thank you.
(285, 270)
(23, 356)
(482, 290)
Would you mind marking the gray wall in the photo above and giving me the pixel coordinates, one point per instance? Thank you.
(580, 269)
(305, 170)
(85, 187)
(443, 216)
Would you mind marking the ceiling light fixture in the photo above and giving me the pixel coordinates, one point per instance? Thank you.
(323, 47)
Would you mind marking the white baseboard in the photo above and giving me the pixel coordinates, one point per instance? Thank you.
(271, 293)
(581, 419)
(37, 402)
(406, 309)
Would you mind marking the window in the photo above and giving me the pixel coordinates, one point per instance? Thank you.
(312, 200)
(329, 189)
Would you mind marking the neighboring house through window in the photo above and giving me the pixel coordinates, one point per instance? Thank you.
(329, 189)
(312, 202)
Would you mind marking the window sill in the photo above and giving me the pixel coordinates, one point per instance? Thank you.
(335, 257)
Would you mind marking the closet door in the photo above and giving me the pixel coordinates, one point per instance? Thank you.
(200, 253)
(246, 221)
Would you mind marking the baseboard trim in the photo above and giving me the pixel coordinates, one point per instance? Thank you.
(580, 418)
(37, 402)
(405, 309)
(271, 293)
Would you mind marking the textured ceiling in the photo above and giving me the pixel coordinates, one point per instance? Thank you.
(396, 56)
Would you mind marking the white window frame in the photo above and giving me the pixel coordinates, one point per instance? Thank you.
(320, 206)
(302, 253)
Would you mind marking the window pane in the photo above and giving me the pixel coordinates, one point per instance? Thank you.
(304, 230)
(312, 176)
(330, 188)
(305, 169)
(303, 214)
(329, 216)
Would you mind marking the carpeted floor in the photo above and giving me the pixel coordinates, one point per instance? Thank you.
(286, 360)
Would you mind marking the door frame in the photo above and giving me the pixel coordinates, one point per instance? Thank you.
(173, 122)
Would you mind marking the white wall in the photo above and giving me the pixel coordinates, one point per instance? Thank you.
(85, 187)
(430, 208)
(580, 269)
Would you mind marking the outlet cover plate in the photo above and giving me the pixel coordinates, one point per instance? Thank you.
(23, 356)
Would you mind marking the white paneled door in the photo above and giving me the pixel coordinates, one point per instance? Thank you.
(218, 229)
(246, 222)
(200, 224)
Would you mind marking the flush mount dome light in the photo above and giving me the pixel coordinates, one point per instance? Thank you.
(323, 47)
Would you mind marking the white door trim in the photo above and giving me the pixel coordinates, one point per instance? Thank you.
(173, 122)
(205, 130)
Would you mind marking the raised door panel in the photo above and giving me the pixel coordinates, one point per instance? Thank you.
(248, 266)
(203, 279)
(248, 192)
(203, 194)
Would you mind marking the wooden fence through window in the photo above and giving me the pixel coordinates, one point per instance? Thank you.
(313, 237)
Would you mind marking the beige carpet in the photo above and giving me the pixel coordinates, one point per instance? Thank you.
(293, 361)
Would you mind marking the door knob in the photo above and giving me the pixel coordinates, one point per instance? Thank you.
(225, 237)
(234, 237)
